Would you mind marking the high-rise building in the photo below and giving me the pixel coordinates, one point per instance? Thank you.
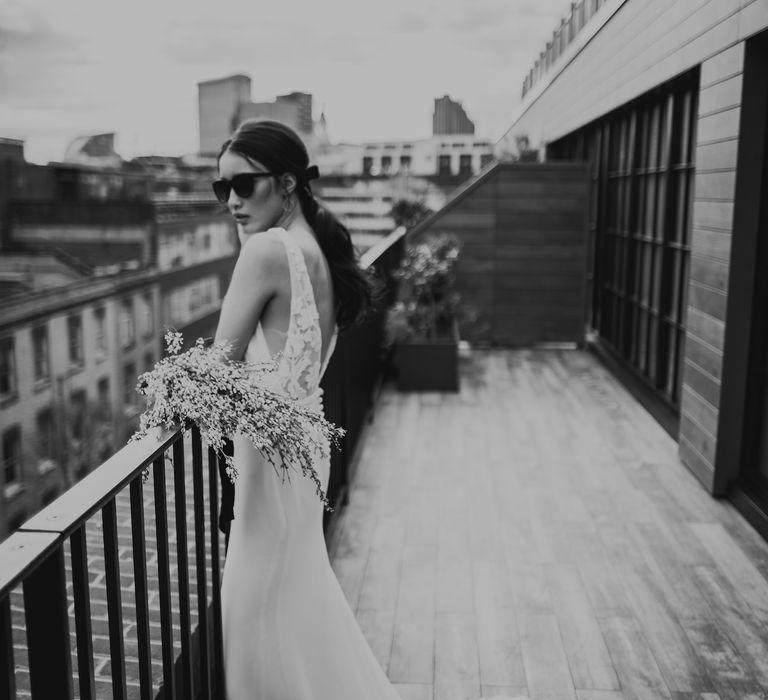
(218, 104)
(226, 102)
(294, 110)
(449, 117)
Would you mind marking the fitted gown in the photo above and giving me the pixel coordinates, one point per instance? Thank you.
(289, 633)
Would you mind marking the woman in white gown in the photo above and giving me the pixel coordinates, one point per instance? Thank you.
(289, 633)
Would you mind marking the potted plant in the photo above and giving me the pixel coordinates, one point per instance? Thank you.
(422, 326)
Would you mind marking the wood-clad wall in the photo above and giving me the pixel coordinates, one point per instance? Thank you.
(523, 262)
(645, 43)
(716, 151)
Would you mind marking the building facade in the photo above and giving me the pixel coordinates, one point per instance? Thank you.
(69, 358)
(226, 102)
(86, 299)
(667, 101)
(449, 118)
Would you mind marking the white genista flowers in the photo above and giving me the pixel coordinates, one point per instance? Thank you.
(202, 387)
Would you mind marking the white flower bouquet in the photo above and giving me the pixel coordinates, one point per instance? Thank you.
(204, 388)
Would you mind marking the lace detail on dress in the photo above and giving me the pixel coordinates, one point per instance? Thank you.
(303, 347)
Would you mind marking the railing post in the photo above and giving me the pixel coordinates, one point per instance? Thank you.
(45, 605)
(7, 675)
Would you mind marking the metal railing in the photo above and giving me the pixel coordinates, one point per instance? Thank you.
(82, 213)
(113, 589)
(562, 36)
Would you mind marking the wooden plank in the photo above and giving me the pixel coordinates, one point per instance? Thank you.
(723, 65)
(498, 642)
(713, 215)
(734, 617)
(711, 273)
(698, 417)
(722, 95)
(633, 660)
(413, 640)
(718, 126)
(729, 672)
(588, 657)
(709, 358)
(546, 665)
(735, 566)
(457, 673)
(702, 383)
(720, 155)
(415, 691)
(378, 626)
(711, 244)
(680, 667)
(716, 186)
(752, 18)
(710, 330)
(710, 301)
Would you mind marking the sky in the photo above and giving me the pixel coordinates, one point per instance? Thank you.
(77, 67)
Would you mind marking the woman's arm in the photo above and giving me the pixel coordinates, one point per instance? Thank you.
(256, 279)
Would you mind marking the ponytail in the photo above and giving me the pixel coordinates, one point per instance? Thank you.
(353, 287)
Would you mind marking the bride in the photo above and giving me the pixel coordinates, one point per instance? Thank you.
(289, 633)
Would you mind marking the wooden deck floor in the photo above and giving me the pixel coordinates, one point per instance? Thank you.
(537, 534)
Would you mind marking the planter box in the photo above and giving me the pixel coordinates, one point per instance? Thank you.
(428, 365)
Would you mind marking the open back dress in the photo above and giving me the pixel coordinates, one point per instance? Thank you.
(289, 632)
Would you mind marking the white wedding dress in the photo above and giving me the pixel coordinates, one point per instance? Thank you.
(289, 633)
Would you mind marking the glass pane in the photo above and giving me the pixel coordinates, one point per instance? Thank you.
(661, 206)
(650, 193)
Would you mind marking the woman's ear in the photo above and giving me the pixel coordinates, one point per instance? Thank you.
(288, 181)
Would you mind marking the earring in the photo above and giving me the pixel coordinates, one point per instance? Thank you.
(288, 205)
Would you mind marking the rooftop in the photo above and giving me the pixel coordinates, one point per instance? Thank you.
(537, 534)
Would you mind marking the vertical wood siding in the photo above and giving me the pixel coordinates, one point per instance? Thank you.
(717, 141)
(523, 262)
(644, 44)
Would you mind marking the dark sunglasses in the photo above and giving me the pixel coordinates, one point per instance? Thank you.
(242, 184)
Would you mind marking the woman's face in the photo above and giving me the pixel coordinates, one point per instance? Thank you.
(264, 207)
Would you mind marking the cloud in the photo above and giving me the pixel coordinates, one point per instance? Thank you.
(87, 65)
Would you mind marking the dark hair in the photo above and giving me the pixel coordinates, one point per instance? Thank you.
(279, 149)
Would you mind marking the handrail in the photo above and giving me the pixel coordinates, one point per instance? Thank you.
(565, 32)
(61, 548)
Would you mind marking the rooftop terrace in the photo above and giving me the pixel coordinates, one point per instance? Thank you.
(537, 534)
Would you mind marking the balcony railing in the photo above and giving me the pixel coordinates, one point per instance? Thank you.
(113, 589)
(562, 36)
(84, 213)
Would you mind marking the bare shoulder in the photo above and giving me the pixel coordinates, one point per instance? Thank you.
(264, 254)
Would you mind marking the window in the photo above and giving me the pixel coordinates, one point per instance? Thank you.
(100, 334)
(75, 335)
(367, 165)
(386, 164)
(40, 353)
(149, 361)
(465, 163)
(444, 164)
(7, 368)
(405, 163)
(127, 324)
(46, 441)
(485, 158)
(77, 408)
(129, 384)
(12, 457)
(642, 157)
(105, 402)
(148, 316)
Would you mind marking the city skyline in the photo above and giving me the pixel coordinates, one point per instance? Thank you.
(71, 70)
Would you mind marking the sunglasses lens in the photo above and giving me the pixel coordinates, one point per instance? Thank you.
(243, 184)
(221, 190)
